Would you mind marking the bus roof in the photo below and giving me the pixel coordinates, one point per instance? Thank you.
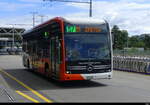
(88, 20)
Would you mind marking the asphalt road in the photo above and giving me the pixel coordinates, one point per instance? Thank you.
(17, 84)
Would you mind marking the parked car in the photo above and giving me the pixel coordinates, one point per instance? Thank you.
(3, 51)
(14, 50)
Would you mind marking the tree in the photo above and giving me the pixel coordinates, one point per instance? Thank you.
(115, 32)
(124, 38)
(147, 41)
(120, 37)
(136, 41)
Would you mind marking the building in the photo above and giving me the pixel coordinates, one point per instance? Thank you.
(10, 37)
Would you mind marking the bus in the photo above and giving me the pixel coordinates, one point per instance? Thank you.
(68, 49)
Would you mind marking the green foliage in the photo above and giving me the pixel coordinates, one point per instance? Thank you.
(134, 41)
(120, 37)
(147, 41)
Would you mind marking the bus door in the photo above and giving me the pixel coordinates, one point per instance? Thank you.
(55, 56)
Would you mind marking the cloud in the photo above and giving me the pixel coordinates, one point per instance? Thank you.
(22, 21)
(132, 15)
(7, 6)
(32, 1)
(18, 22)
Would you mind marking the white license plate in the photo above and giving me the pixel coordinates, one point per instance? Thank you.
(89, 77)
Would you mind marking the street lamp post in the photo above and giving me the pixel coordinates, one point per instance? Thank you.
(13, 37)
(90, 8)
(90, 3)
(33, 13)
(42, 17)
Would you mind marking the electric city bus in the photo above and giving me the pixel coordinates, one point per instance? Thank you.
(69, 49)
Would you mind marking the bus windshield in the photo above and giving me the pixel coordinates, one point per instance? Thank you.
(87, 46)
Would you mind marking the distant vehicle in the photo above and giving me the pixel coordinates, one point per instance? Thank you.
(14, 50)
(19, 49)
(3, 51)
(11, 50)
(67, 49)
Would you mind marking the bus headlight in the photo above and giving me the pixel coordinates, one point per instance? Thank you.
(67, 72)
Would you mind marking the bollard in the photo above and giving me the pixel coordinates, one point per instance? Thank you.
(145, 67)
(148, 68)
(136, 66)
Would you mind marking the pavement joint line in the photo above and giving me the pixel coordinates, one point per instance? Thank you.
(27, 97)
(9, 96)
(4, 91)
(27, 87)
(132, 72)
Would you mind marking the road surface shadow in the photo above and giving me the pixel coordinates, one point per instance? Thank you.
(39, 82)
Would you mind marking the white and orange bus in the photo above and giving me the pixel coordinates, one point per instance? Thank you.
(69, 49)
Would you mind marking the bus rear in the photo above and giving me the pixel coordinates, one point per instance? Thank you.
(88, 50)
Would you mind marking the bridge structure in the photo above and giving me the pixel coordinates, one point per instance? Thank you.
(10, 37)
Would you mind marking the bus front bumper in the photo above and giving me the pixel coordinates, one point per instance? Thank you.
(107, 75)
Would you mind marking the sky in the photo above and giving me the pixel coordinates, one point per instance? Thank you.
(130, 15)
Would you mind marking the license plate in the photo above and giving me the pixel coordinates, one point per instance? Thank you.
(89, 77)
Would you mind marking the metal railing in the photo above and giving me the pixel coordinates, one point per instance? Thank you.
(132, 64)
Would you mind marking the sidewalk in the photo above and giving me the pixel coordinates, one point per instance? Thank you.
(6, 95)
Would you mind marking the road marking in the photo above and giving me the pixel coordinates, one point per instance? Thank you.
(27, 87)
(26, 96)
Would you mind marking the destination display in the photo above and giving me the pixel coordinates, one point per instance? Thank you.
(88, 29)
